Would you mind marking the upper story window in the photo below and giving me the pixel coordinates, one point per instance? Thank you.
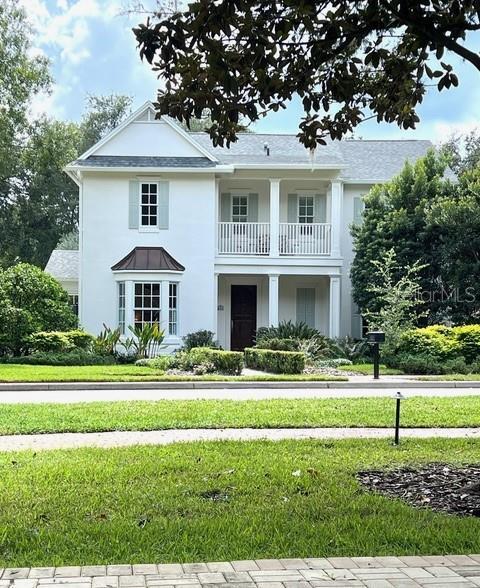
(306, 209)
(146, 310)
(148, 205)
(239, 209)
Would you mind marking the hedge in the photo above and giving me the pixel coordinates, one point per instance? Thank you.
(468, 337)
(59, 341)
(276, 344)
(277, 362)
(70, 358)
(225, 362)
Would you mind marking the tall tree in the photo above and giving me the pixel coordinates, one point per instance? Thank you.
(359, 59)
(395, 219)
(21, 77)
(103, 114)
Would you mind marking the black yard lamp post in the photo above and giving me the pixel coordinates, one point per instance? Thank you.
(375, 338)
(398, 397)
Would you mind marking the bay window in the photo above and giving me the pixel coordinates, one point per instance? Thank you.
(146, 308)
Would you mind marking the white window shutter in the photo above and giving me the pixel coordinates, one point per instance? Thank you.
(163, 205)
(133, 203)
(306, 306)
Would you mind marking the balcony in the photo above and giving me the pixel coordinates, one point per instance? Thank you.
(294, 239)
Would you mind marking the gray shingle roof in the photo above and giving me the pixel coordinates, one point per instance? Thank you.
(140, 161)
(63, 264)
(379, 160)
(362, 160)
(250, 148)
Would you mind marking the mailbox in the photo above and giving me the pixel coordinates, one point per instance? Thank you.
(376, 337)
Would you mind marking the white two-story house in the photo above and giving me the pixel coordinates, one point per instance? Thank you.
(193, 237)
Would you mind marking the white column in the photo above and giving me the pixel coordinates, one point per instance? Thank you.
(215, 304)
(272, 300)
(334, 318)
(164, 306)
(274, 216)
(336, 216)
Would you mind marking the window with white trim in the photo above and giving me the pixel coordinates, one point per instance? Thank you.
(146, 309)
(305, 210)
(148, 204)
(239, 209)
(73, 301)
(173, 308)
(121, 307)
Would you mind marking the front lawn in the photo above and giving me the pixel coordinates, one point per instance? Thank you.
(220, 501)
(132, 373)
(366, 369)
(185, 414)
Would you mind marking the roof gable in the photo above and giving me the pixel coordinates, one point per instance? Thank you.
(142, 135)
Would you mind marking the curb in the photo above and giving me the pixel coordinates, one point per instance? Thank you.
(388, 385)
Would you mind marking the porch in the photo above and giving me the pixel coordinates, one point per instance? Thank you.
(246, 302)
(279, 217)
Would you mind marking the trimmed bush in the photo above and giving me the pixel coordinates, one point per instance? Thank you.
(334, 362)
(49, 342)
(224, 362)
(59, 341)
(277, 362)
(75, 357)
(161, 362)
(468, 338)
(425, 364)
(276, 344)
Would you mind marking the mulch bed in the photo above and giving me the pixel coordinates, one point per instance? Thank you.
(441, 487)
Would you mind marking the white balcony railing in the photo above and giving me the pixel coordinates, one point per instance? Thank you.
(305, 239)
(244, 238)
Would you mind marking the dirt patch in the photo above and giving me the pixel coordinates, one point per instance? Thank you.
(441, 487)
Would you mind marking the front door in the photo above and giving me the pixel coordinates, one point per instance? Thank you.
(243, 317)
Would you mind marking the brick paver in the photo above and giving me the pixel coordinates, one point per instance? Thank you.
(457, 571)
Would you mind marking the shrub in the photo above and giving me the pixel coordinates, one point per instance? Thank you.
(80, 339)
(224, 362)
(146, 341)
(276, 344)
(161, 362)
(277, 362)
(30, 301)
(49, 341)
(199, 339)
(318, 347)
(355, 350)
(334, 362)
(426, 364)
(75, 357)
(287, 330)
(435, 341)
(59, 341)
(107, 341)
(468, 338)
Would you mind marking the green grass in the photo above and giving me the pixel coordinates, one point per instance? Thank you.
(366, 369)
(130, 373)
(154, 504)
(178, 414)
(452, 377)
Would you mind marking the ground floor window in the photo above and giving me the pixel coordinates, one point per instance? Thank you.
(172, 308)
(146, 310)
(121, 307)
(73, 301)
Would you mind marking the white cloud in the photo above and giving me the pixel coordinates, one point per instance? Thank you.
(444, 130)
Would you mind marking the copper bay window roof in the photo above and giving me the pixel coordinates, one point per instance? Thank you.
(148, 259)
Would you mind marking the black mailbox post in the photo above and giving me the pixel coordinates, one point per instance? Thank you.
(375, 338)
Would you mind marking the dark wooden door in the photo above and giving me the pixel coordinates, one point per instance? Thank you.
(243, 316)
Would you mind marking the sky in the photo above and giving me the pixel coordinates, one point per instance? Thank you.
(92, 50)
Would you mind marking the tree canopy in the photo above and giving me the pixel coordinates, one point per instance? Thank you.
(347, 60)
(426, 218)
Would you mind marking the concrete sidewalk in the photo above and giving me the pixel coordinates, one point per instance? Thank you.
(88, 394)
(460, 571)
(47, 441)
